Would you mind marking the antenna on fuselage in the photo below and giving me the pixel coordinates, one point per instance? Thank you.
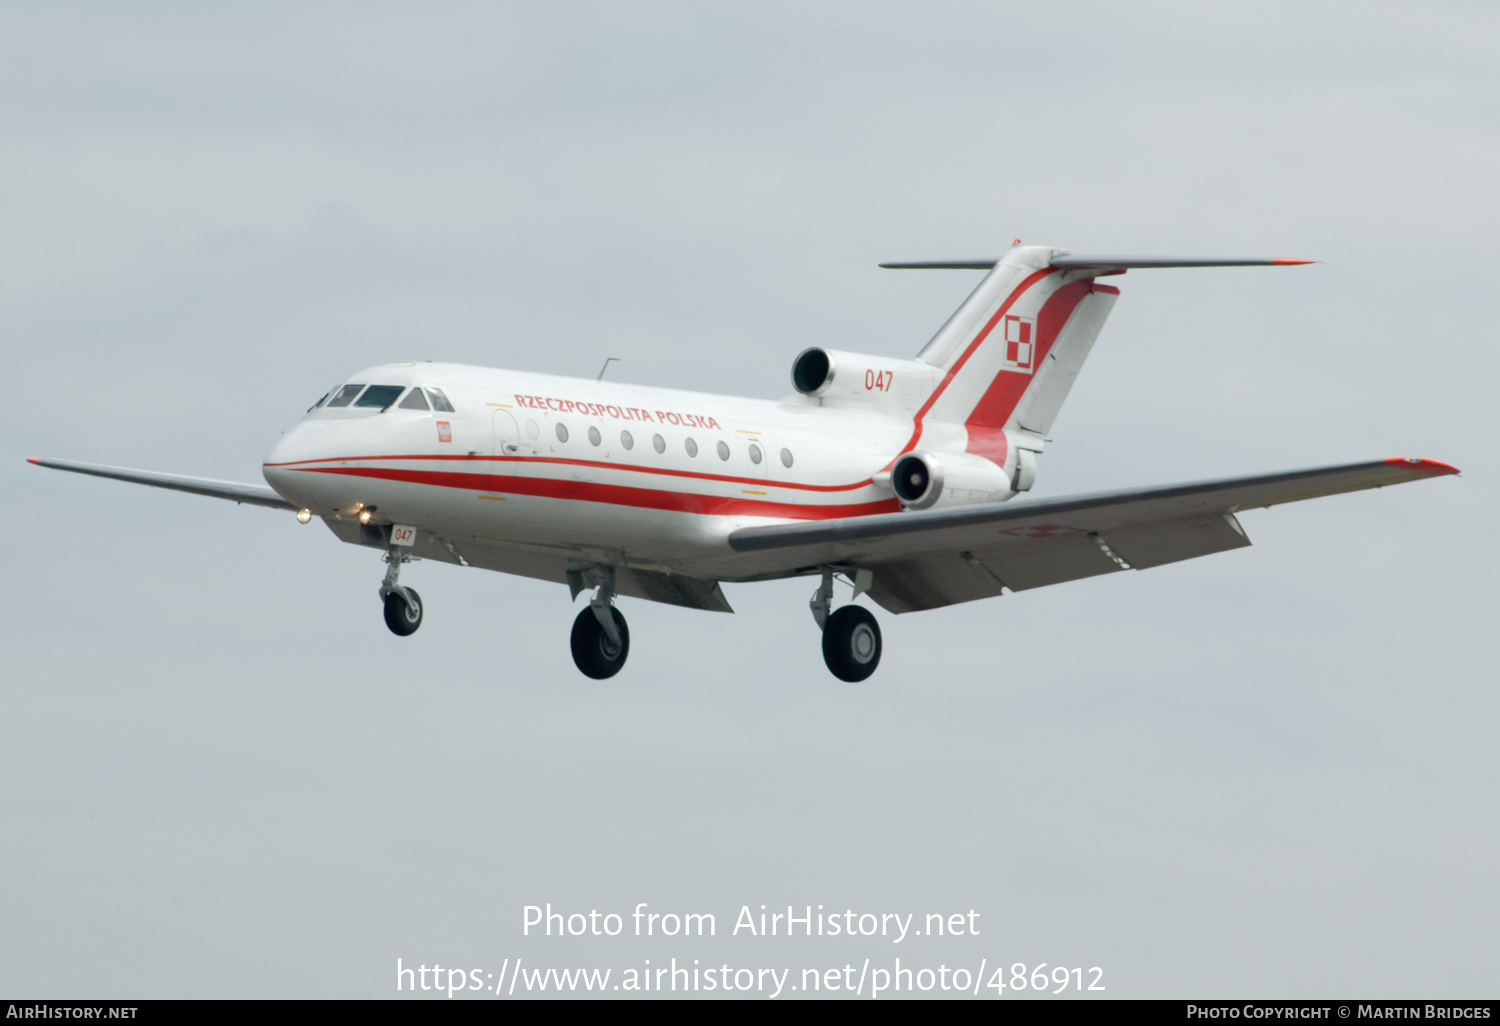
(607, 361)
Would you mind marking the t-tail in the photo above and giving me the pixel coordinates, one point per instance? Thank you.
(1008, 356)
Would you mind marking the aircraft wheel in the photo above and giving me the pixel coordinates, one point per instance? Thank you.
(851, 643)
(592, 651)
(401, 618)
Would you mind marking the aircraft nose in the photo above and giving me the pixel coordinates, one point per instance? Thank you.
(297, 447)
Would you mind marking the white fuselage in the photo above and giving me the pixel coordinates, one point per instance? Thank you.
(615, 473)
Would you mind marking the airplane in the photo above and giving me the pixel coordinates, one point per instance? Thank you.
(894, 476)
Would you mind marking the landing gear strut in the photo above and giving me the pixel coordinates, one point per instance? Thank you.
(403, 606)
(851, 637)
(601, 639)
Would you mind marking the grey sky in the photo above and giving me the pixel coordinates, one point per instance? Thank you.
(1268, 772)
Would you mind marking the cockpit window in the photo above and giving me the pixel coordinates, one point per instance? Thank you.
(320, 402)
(413, 401)
(346, 395)
(439, 400)
(379, 396)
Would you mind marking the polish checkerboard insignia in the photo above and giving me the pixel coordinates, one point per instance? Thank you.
(1020, 333)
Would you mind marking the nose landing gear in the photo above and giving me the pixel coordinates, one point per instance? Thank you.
(403, 614)
(851, 637)
(403, 606)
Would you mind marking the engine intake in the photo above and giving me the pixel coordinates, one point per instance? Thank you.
(917, 479)
(922, 480)
(812, 371)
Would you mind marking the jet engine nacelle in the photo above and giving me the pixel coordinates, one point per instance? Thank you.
(829, 374)
(922, 480)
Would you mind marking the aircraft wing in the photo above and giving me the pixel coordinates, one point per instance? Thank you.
(256, 495)
(931, 558)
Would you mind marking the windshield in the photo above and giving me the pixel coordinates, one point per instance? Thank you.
(379, 396)
(346, 395)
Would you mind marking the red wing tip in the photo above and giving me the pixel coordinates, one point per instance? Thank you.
(33, 459)
(1290, 260)
(1417, 465)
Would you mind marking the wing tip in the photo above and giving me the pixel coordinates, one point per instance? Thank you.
(34, 459)
(1420, 465)
(1290, 261)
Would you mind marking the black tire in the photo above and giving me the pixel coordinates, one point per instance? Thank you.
(851, 643)
(399, 616)
(592, 652)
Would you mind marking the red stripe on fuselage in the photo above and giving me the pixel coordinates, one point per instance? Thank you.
(601, 464)
(616, 495)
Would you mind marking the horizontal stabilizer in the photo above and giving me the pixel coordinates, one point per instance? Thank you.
(256, 495)
(1102, 263)
(942, 265)
(1125, 263)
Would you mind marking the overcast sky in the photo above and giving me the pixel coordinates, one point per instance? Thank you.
(1271, 772)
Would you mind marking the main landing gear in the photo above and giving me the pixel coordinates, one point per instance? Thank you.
(851, 637)
(403, 606)
(601, 639)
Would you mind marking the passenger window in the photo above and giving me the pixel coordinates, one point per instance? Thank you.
(786, 457)
(440, 401)
(626, 440)
(562, 432)
(346, 395)
(413, 401)
(658, 443)
(754, 453)
(532, 431)
(691, 447)
(723, 448)
(594, 437)
(379, 397)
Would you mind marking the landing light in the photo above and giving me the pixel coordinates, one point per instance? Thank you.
(364, 516)
(304, 515)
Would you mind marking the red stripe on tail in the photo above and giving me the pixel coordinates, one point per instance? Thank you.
(994, 408)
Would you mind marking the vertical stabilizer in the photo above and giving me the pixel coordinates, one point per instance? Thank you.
(1010, 353)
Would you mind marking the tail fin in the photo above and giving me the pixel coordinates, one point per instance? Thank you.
(1010, 353)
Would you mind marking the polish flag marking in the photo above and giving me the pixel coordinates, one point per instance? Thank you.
(1019, 333)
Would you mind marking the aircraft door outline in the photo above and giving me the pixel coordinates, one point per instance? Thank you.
(505, 442)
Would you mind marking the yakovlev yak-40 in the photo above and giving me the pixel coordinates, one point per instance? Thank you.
(895, 475)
